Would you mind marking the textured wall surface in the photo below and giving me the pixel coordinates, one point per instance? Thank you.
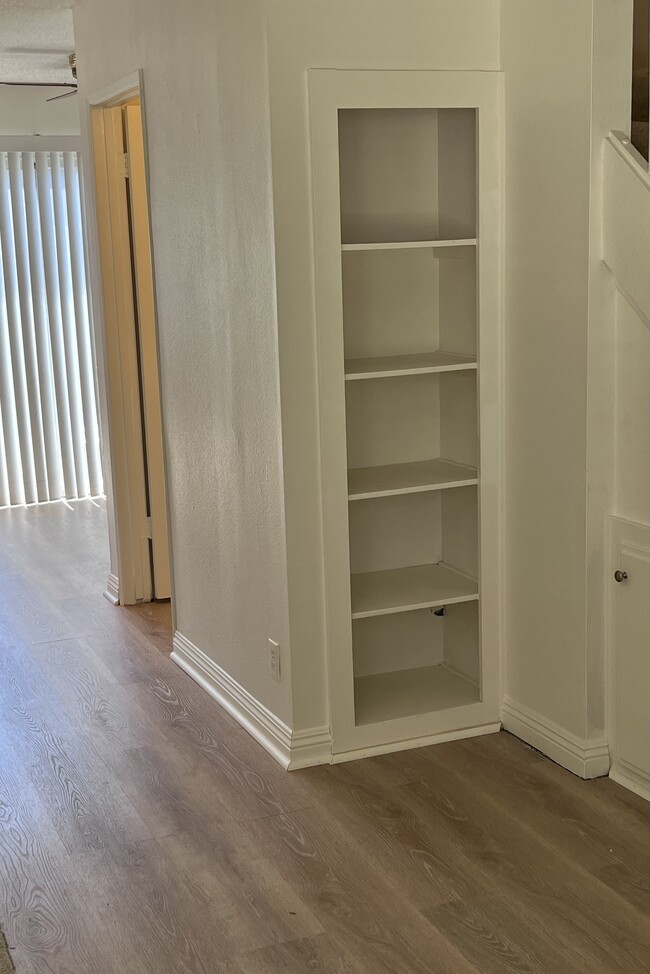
(221, 106)
(206, 100)
(546, 48)
(567, 83)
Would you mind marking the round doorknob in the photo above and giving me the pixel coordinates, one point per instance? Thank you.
(620, 576)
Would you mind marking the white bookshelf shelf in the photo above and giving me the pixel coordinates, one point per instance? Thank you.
(408, 478)
(408, 589)
(410, 245)
(384, 366)
(404, 693)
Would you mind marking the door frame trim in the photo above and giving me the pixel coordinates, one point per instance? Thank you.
(117, 452)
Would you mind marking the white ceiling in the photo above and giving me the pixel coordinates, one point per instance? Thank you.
(35, 25)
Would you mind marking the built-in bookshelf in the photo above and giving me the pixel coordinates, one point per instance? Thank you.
(408, 251)
(410, 662)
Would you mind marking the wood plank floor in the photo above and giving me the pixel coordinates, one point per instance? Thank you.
(142, 831)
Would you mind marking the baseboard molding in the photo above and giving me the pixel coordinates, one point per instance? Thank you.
(630, 777)
(310, 747)
(456, 735)
(291, 749)
(586, 759)
(112, 590)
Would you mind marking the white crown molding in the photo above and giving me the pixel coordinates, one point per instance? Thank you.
(587, 759)
(293, 750)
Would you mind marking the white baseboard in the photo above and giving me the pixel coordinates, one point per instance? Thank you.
(586, 759)
(630, 777)
(291, 749)
(442, 738)
(310, 747)
(112, 590)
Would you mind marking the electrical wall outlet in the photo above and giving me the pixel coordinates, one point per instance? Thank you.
(274, 660)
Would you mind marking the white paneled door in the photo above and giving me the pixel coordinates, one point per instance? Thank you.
(49, 433)
(629, 719)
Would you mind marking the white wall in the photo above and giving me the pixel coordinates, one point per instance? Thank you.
(26, 111)
(399, 34)
(206, 102)
(566, 85)
(234, 459)
(546, 51)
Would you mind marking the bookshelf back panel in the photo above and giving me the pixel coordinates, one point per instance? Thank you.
(459, 518)
(394, 420)
(395, 532)
(461, 645)
(384, 644)
(457, 173)
(390, 302)
(459, 417)
(388, 162)
(457, 308)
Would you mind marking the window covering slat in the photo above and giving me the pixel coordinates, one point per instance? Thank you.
(23, 267)
(73, 176)
(54, 486)
(49, 433)
(68, 320)
(57, 339)
(12, 251)
(9, 431)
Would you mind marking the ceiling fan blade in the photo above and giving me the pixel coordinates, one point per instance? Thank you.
(66, 94)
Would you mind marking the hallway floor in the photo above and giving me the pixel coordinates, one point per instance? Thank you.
(142, 831)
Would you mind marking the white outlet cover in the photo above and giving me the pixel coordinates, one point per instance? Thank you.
(274, 659)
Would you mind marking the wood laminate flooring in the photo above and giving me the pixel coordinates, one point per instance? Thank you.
(142, 831)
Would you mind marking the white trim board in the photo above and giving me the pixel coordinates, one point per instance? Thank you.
(442, 738)
(116, 90)
(632, 778)
(301, 749)
(587, 760)
(112, 590)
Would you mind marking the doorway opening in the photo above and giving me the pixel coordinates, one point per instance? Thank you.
(137, 497)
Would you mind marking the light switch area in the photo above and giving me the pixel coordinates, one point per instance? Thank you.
(274, 660)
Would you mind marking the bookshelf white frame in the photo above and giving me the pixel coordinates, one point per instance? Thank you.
(357, 599)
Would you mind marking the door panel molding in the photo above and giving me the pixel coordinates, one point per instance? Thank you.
(628, 654)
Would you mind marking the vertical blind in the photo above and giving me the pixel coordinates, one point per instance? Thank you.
(49, 434)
